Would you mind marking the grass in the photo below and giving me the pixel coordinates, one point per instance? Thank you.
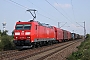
(83, 52)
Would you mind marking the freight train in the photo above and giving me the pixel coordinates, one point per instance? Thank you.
(34, 33)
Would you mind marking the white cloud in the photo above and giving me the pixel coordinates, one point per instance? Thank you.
(62, 5)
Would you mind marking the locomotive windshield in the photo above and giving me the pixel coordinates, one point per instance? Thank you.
(23, 27)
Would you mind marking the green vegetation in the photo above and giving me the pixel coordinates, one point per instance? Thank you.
(83, 52)
(6, 41)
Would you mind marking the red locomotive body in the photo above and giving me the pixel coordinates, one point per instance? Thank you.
(25, 33)
(28, 33)
(45, 33)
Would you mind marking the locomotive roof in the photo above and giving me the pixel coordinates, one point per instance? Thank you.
(42, 24)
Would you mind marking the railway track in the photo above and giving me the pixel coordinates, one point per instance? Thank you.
(35, 54)
(4, 54)
(45, 54)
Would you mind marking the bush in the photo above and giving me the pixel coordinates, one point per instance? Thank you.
(6, 43)
(87, 36)
(83, 52)
(1, 46)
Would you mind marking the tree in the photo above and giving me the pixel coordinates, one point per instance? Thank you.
(13, 33)
(0, 31)
(4, 32)
(87, 36)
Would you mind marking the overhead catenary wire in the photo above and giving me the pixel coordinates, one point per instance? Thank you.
(35, 5)
(29, 8)
(42, 10)
(63, 24)
(48, 13)
(65, 12)
(72, 9)
(56, 9)
(44, 16)
(19, 4)
(62, 8)
(38, 12)
(79, 24)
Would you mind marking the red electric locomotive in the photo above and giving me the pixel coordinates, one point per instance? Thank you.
(33, 32)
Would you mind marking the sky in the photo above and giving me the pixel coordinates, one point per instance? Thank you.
(66, 12)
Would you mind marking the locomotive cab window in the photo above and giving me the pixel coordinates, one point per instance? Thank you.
(23, 27)
(19, 27)
(27, 26)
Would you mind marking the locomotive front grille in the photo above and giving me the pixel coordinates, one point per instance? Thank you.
(22, 42)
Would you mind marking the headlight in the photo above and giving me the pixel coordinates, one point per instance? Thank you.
(17, 33)
(27, 33)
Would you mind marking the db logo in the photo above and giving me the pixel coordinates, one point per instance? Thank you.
(22, 33)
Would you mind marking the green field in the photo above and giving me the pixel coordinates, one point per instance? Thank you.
(83, 52)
